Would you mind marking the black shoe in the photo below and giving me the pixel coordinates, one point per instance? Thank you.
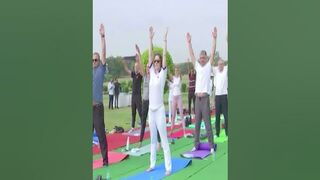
(105, 164)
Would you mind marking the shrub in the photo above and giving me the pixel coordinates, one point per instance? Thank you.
(184, 87)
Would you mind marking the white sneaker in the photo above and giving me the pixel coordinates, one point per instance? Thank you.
(212, 151)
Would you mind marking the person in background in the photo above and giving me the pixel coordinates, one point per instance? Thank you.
(157, 120)
(116, 93)
(220, 74)
(176, 99)
(99, 67)
(111, 93)
(203, 68)
(191, 88)
(136, 103)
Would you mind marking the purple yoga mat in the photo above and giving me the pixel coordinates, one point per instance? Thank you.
(203, 150)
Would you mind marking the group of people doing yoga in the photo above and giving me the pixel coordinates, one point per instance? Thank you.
(150, 103)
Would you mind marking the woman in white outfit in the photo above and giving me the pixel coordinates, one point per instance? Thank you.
(157, 119)
(176, 99)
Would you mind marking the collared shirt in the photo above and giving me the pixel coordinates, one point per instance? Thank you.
(97, 86)
(156, 88)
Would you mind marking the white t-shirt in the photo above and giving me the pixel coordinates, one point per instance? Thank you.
(221, 81)
(176, 83)
(156, 88)
(111, 88)
(203, 77)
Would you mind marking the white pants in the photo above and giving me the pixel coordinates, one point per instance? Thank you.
(157, 120)
(169, 104)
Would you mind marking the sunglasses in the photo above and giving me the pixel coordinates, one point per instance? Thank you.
(95, 60)
(156, 61)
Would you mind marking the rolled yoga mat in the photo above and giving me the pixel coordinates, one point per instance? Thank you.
(203, 150)
(113, 157)
(159, 171)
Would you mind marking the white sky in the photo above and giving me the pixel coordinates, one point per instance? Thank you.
(127, 23)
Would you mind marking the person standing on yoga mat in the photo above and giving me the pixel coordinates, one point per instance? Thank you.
(99, 69)
(192, 85)
(220, 74)
(176, 99)
(136, 103)
(145, 104)
(203, 68)
(157, 120)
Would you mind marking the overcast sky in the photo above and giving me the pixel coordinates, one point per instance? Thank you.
(127, 23)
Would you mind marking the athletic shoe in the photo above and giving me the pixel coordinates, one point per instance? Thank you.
(194, 149)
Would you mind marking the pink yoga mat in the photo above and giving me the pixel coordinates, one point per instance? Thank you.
(113, 157)
(179, 133)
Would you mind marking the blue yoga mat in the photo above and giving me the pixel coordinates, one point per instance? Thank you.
(159, 171)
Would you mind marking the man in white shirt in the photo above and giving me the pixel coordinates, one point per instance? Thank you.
(111, 93)
(221, 94)
(203, 68)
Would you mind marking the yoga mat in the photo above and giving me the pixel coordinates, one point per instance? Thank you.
(203, 150)
(143, 150)
(179, 133)
(113, 157)
(159, 171)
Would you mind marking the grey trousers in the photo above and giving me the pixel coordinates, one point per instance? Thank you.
(202, 112)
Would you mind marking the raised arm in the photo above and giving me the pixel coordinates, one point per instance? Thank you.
(141, 70)
(103, 45)
(125, 65)
(213, 48)
(193, 58)
(151, 34)
(164, 59)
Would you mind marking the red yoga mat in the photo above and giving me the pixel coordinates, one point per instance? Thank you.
(113, 157)
(118, 140)
(179, 133)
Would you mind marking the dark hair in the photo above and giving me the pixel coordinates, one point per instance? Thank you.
(203, 52)
(160, 56)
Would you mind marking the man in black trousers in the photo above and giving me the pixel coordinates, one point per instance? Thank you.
(136, 103)
(99, 70)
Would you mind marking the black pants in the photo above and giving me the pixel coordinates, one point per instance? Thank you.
(116, 99)
(221, 108)
(191, 98)
(136, 104)
(110, 101)
(145, 110)
(98, 125)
